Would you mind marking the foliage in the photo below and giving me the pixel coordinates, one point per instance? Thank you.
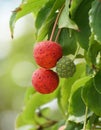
(76, 26)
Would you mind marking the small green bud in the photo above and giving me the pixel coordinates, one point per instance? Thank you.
(65, 67)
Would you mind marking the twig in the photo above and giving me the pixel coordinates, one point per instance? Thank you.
(56, 21)
(58, 33)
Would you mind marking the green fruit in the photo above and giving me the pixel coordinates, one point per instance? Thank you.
(65, 67)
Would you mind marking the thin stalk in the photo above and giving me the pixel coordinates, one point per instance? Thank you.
(58, 33)
(56, 21)
(85, 121)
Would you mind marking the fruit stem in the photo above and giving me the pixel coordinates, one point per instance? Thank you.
(56, 21)
(58, 33)
(86, 111)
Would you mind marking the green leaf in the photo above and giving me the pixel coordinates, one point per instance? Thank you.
(81, 18)
(59, 96)
(74, 109)
(74, 6)
(94, 48)
(68, 41)
(91, 97)
(95, 19)
(73, 126)
(29, 92)
(24, 9)
(42, 22)
(21, 122)
(43, 13)
(76, 104)
(93, 119)
(97, 82)
(44, 111)
(66, 85)
(48, 21)
(35, 102)
(41, 34)
(67, 23)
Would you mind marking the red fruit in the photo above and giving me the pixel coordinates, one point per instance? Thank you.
(47, 53)
(45, 81)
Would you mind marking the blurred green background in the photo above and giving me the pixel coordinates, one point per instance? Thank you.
(16, 63)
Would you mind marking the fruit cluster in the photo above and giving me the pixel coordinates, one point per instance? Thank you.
(47, 55)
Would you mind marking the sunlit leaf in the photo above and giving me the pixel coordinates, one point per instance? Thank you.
(24, 9)
(29, 92)
(35, 102)
(21, 122)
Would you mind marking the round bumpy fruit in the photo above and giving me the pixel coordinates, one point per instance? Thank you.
(47, 53)
(65, 67)
(45, 81)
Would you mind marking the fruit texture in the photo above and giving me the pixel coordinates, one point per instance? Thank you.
(65, 67)
(45, 81)
(47, 53)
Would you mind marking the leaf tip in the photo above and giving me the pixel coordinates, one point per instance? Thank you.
(17, 9)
